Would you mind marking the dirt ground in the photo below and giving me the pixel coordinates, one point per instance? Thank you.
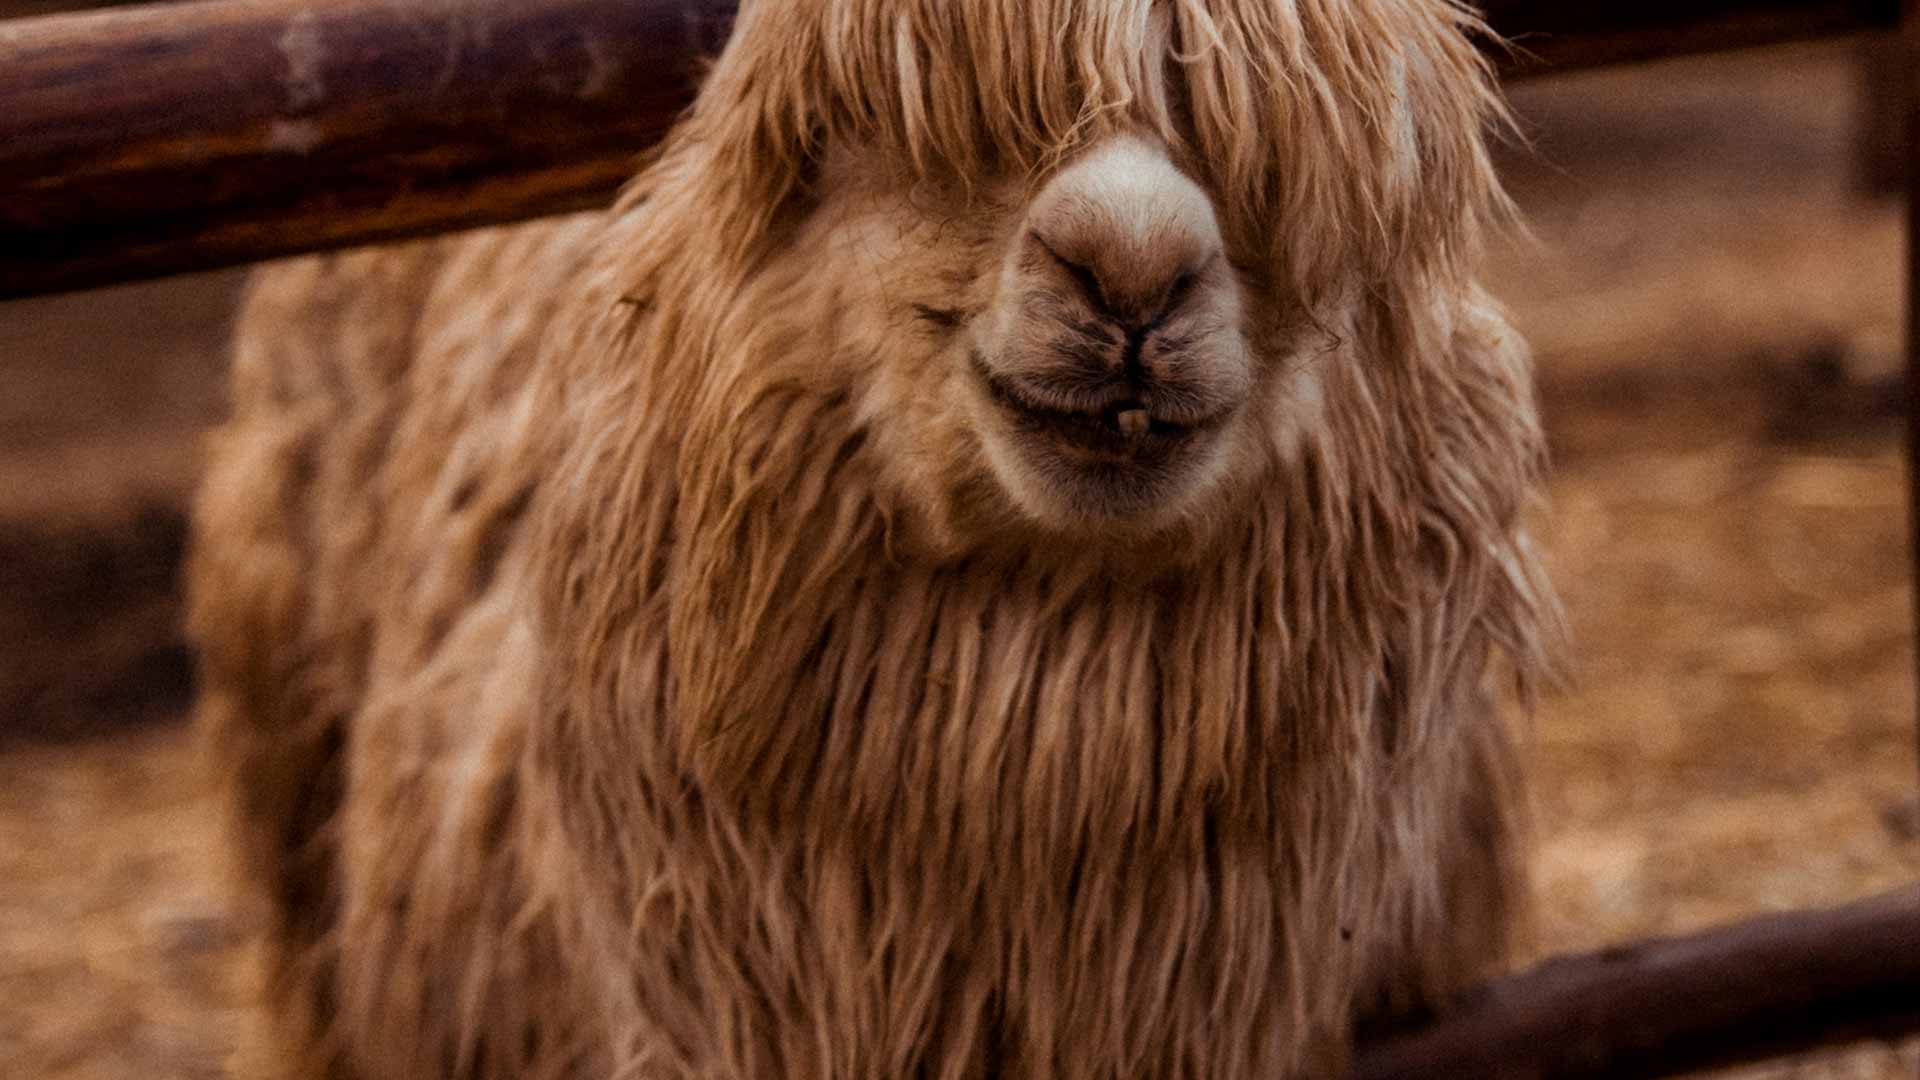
(1718, 316)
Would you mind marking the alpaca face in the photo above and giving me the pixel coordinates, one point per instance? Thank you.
(1092, 359)
(1105, 379)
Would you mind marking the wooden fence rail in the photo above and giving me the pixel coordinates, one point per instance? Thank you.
(1772, 986)
(169, 137)
(163, 138)
(1555, 35)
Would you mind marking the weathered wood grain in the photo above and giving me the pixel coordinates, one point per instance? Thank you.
(160, 138)
(156, 139)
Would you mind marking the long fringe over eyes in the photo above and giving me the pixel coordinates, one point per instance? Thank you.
(1347, 132)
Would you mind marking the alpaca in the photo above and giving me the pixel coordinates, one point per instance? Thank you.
(1000, 555)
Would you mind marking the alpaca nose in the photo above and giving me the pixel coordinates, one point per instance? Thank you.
(1127, 229)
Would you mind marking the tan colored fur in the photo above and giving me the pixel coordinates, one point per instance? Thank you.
(629, 663)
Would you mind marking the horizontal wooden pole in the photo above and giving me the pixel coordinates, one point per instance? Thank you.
(187, 136)
(1777, 985)
(163, 138)
(1559, 35)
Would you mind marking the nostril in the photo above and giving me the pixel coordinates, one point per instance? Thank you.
(1177, 294)
(1082, 274)
(1133, 291)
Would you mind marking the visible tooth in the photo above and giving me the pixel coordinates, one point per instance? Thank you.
(1133, 423)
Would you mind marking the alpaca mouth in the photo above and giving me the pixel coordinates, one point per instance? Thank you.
(1121, 425)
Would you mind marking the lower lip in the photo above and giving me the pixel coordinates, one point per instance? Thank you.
(1096, 436)
(1086, 434)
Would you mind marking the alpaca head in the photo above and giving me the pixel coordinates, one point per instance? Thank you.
(1007, 315)
(1080, 269)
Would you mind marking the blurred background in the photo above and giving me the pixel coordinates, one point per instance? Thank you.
(1715, 288)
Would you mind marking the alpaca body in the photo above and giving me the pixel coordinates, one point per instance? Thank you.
(635, 656)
